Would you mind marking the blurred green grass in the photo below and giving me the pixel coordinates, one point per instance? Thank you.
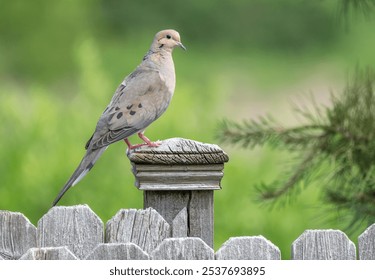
(58, 71)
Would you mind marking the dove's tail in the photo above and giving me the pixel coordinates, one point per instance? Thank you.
(86, 164)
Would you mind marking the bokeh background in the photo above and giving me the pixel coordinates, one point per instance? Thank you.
(60, 62)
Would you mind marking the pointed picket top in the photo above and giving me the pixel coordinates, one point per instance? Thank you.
(17, 235)
(118, 251)
(366, 244)
(323, 245)
(146, 228)
(49, 253)
(76, 227)
(248, 248)
(188, 248)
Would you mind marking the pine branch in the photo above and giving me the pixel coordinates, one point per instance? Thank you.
(341, 136)
(249, 134)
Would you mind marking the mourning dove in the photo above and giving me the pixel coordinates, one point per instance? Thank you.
(141, 98)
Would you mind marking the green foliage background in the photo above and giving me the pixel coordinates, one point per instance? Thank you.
(60, 62)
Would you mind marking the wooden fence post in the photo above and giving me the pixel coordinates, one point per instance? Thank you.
(179, 174)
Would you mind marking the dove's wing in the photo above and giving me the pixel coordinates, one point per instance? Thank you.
(138, 101)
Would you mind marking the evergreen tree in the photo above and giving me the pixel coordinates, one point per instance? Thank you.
(336, 146)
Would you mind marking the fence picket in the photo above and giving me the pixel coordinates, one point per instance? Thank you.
(323, 245)
(17, 235)
(366, 244)
(248, 248)
(146, 228)
(76, 227)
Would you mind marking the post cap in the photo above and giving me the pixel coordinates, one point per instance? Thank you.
(178, 151)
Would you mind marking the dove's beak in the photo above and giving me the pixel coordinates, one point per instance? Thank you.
(181, 46)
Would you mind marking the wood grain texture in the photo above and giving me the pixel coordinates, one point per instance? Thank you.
(118, 251)
(167, 203)
(180, 224)
(199, 206)
(49, 253)
(323, 245)
(201, 216)
(366, 244)
(190, 248)
(76, 227)
(176, 151)
(17, 235)
(178, 164)
(146, 228)
(248, 248)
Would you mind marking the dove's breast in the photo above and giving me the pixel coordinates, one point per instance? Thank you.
(167, 73)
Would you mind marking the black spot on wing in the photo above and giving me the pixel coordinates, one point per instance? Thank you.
(140, 105)
(129, 106)
(111, 116)
(132, 113)
(119, 115)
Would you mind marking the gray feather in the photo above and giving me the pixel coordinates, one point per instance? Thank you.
(85, 166)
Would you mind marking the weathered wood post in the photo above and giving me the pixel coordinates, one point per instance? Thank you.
(179, 178)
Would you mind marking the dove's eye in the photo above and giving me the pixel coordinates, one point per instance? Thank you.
(168, 36)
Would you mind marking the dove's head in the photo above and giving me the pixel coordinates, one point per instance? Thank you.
(167, 40)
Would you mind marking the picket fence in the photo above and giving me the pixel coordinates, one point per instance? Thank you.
(178, 180)
(76, 232)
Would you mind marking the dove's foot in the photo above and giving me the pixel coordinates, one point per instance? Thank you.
(132, 147)
(148, 142)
